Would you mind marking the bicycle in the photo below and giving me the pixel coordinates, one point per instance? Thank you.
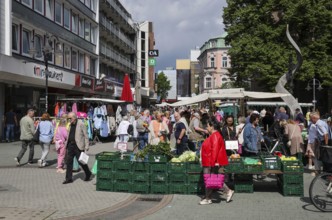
(320, 192)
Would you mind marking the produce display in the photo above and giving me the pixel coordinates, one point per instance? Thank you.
(187, 156)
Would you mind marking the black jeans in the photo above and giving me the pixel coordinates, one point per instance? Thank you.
(182, 147)
(74, 151)
(25, 145)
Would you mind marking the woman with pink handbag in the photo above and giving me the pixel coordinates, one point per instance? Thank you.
(213, 155)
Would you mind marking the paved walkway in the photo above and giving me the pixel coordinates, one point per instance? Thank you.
(29, 192)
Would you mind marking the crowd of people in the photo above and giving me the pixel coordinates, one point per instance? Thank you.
(209, 134)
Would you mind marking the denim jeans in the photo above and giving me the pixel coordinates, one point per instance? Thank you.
(10, 131)
(143, 139)
(25, 145)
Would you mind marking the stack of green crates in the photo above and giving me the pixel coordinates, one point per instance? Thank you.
(158, 178)
(105, 170)
(291, 181)
(177, 176)
(195, 181)
(243, 183)
(140, 178)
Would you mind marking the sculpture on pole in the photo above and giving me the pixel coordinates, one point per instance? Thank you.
(288, 77)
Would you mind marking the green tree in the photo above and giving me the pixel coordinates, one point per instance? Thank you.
(163, 85)
(260, 50)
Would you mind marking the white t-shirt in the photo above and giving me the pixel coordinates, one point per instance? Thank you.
(123, 127)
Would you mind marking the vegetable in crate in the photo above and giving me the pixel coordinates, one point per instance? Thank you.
(188, 156)
(160, 149)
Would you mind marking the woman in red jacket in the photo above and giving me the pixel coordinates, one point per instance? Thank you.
(213, 155)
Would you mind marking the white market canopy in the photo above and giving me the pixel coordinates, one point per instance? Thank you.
(84, 99)
(238, 93)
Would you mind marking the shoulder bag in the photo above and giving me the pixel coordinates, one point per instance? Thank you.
(36, 135)
(214, 181)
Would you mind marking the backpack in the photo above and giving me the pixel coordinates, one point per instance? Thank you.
(139, 125)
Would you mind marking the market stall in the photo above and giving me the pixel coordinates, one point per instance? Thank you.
(155, 173)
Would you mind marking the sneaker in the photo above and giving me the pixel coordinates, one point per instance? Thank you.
(311, 167)
(17, 161)
(205, 202)
(44, 164)
(229, 195)
(40, 162)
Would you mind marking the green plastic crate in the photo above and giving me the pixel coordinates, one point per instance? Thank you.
(291, 179)
(243, 177)
(104, 165)
(253, 168)
(292, 190)
(123, 157)
(178, 188)
(141, 167)
(196, 189)
(123, 176)
(271, 162)
(177, 168)
(158, 178)
(141, 188)
(105, 174)
(292, 166)
(194, 168)
(104, 185)
(244, 187)
(158, 167)
(122, 187)
(195, 178)
(159, 189)
(122, 166)
(107, 156)
(177, 178)
(140, 178)
(235, 165)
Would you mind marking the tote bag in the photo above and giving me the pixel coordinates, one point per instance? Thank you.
(214, 181)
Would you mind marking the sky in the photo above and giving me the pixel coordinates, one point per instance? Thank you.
(179, 25)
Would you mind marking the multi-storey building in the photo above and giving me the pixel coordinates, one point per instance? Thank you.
(214, 61)
(117, 45)
(195, 69)
(183, 77)
(62, 34)
(145, 69)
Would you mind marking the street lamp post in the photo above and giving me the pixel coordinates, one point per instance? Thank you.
(47, 52)
(315, 82)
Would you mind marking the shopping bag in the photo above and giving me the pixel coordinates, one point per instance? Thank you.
(36, 135)
(94, 168)
(83, 158)
(214, 181)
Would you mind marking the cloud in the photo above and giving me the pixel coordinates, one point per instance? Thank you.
(179, 25)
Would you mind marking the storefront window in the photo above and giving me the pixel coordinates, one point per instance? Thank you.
(15, 38)
(66, 18)
(81, 27)
(87, 31)
(49, 9)
(87, 65)
(59, 59)
(58, 13)
(81, 63)
(39, 6)
(67, 58)
(25, 42)
(74, 60)
(74, 23)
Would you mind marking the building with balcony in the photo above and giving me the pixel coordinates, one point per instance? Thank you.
(117, 35)
(145, 68)
(70, 31)
(215, 62)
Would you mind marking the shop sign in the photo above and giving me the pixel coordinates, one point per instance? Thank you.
(153, 53)
(58, 76)
(152, 61)
(99, 85)
(86, 82)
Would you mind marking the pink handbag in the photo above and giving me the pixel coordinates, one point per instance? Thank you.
(214, 181)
